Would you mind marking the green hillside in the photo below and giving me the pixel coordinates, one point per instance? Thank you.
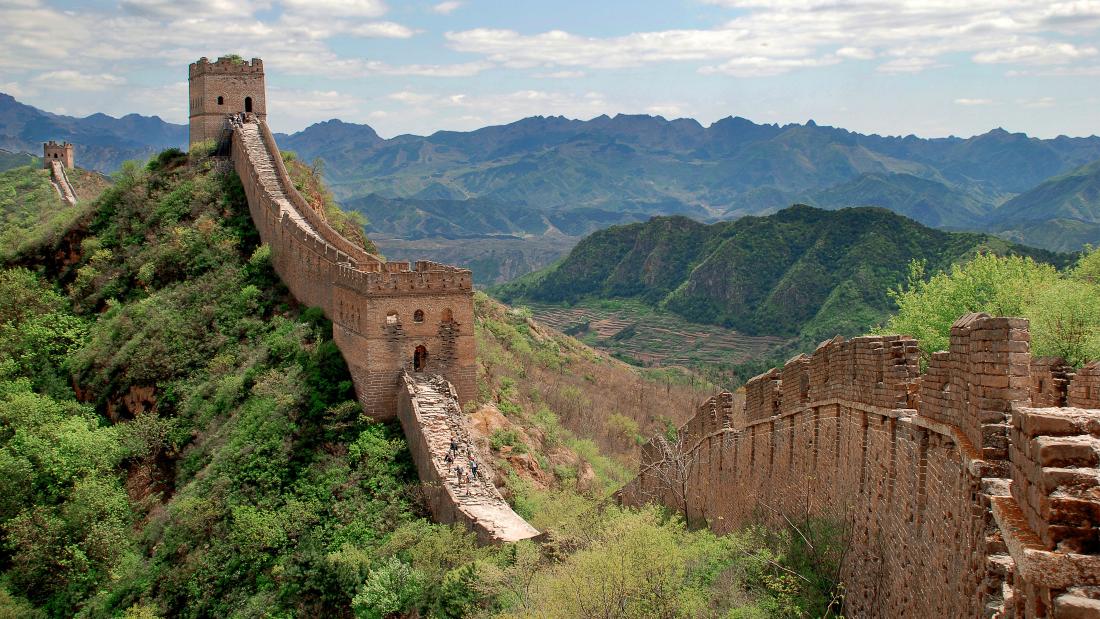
(1062, 213)
(802, 272)
(929, 202)
(31, 212)
(9, 160)
(180, 439)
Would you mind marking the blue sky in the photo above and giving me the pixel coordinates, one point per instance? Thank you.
(929, 67)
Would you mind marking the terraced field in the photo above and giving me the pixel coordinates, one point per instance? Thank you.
(653, 338)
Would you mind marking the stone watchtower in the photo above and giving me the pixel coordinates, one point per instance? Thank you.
(52, 151)
(228, 86)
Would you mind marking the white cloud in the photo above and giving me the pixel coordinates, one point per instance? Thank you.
(855, 53)
(668, 110)
(337, 8)
(381, 29)
(971, 102)
(907, 65)
(406, 96)
(757, 66)
(560, 75)
(1049, 53)
(769, 37)
(474, 110)
(446, 8)
(76, 81)
(1040, 103)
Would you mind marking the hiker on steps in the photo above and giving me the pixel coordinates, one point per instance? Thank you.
(473, 468)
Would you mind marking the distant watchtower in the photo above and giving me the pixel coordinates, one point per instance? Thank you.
(52, 151)
(228, 86)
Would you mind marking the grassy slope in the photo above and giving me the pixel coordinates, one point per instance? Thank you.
(31, 213)
(181, 440)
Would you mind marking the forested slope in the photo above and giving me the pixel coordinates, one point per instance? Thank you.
(802, 272)
(179, 438)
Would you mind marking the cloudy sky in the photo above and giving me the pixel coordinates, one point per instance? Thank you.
(929, 67)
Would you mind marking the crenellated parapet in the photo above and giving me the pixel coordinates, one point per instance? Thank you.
(389, 317)
(225, 66)
(405, 330)
(971, 489)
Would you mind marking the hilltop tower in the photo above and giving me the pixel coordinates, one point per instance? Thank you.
(217, 89)
(52, 151)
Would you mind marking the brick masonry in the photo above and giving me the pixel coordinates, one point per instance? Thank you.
(382, 312)
(969, 491)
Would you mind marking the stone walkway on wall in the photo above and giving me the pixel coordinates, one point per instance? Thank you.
(441, 421)
(61, 183)
(264, 165)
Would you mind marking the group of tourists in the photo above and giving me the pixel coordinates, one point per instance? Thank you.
(462, 476)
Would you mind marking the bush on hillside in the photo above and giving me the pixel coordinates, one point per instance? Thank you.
(1063, 307)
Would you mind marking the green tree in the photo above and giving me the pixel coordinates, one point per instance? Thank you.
(1064, 308)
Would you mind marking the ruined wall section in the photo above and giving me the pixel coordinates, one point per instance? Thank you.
(923, 468)
(60, 181)
(430, 403)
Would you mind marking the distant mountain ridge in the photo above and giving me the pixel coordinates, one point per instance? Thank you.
(802, 272)
(630, 167)
(102, 142)
(1061, 213)
(552, 175)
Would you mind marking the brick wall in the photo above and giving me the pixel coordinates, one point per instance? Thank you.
(962, 500)
(360, 293)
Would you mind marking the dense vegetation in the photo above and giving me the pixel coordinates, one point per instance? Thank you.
(803, 272)
(32, 215)
(1063, 308)
(179, 438)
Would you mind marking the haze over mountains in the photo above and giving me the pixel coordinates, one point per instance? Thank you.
(559, 179)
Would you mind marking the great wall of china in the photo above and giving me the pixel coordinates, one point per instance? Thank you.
(971, 490)
(406, 331)
(55, 158)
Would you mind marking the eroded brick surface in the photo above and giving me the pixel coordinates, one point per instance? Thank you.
(963, 500)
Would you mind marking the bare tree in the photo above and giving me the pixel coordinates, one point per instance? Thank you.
(672, 471)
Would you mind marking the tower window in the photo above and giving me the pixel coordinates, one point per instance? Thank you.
(391, 318)
(248, 104)
(418, 316)
(221, 100)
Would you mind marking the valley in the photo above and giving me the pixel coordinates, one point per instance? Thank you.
(648, 337)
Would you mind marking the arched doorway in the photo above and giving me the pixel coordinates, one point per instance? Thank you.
(420, 358)
(248, 104)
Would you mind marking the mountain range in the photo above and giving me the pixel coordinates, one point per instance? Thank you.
(801, 272)
(555, 176)
(102, 142)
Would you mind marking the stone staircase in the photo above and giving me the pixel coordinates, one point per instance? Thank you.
(440, 420)
(264, 165)
(61, 183)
